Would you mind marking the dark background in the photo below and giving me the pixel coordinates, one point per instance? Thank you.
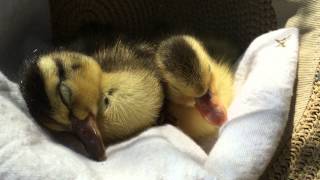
(24, 26)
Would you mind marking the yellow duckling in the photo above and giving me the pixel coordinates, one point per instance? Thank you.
(101, 99)
(199, 89)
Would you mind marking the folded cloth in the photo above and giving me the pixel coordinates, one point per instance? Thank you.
(264, 81)
(258, 115)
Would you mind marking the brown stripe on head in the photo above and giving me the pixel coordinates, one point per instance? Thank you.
(33, 90)
(180, 59)
(183, 67)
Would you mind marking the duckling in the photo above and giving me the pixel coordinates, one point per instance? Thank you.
(102, 99)
(199, 88)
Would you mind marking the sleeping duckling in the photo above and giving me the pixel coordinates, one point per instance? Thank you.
(199, 89)
(101, 99)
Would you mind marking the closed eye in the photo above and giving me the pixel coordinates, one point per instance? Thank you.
(65, 94)
(175, 88)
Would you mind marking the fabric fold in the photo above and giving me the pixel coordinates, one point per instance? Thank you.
(258, 115)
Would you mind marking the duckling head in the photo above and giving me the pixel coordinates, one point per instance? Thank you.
(62, 91)
(193, 78)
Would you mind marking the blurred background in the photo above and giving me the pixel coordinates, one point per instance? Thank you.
(24, 26)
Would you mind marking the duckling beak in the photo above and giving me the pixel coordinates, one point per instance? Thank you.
(211, 109)
(90, 136)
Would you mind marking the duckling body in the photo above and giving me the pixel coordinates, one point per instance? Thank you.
(199, 89)
(132, 96)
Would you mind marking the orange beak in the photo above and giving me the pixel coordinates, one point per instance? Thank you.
(211, 109)
(89, 134)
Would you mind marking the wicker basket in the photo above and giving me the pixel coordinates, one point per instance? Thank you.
(240, 21)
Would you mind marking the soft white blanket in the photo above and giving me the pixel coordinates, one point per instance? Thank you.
(264, 77)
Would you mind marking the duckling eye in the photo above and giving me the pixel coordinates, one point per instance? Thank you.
(65, 94)
(106, 101)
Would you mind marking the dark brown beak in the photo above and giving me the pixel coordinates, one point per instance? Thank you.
(211, 109)
(90, 136)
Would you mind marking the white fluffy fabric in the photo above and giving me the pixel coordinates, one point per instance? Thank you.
(258, 115)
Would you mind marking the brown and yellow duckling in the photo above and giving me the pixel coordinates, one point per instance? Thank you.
(101, 99)
(199, 88)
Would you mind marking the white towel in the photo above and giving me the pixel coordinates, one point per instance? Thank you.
(246, 144)
(259, 112)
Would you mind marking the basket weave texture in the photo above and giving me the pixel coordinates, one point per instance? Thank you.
(298, 156)
(240, 21)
